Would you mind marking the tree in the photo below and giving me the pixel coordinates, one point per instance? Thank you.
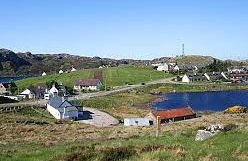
(51, 83)
(13, 87)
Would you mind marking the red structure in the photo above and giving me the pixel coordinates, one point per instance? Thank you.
(174, 114)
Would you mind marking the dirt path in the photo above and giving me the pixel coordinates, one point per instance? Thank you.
(96, 118)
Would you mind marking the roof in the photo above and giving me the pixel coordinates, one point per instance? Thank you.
(26, 92)
(53, 90)
(60, 104)
(87, 82)
(6, 85)
(173, 113)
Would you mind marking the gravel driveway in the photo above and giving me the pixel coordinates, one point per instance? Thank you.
(96, 118)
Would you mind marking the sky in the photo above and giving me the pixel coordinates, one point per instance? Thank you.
(137, 29)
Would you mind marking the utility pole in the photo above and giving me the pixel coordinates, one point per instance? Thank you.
(158, 126)
(182, 49)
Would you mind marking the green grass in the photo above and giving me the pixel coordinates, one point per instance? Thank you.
(226, 146)
(67, 79)
(119, 76)
(116, 76)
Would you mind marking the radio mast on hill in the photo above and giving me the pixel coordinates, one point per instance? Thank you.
(182, 49)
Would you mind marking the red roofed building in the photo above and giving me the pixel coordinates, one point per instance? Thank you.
(87, 84)
(173, 114)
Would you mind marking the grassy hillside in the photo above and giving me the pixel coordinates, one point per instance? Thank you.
(115, 76)
(118, 76)
(34, 140)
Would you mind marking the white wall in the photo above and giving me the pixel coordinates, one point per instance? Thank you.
(163, 67)
(185, 79)
(136, 122)
(54, 112)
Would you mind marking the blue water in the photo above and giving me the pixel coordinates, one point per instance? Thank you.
(204, 101)
(9, 79)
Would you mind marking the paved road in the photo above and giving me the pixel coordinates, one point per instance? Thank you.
(84, 96)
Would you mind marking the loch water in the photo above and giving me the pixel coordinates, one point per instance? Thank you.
(211, 101)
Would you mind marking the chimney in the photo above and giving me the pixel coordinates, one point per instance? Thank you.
(63, 99)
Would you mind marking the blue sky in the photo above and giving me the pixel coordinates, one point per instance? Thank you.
(139, 29)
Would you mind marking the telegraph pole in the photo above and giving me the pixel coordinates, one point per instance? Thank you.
(158, 126)
(182, 49)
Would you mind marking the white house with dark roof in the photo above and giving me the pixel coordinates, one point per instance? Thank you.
(27, 94)
(163, 67)
(88, 84)
(62, 109)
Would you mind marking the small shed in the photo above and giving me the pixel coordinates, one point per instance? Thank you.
(137, 122)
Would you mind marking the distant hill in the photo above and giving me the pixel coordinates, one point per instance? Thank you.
(12, 63)
(197, 60)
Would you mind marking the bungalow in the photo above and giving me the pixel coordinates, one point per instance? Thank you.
(88, 84)
(173, 114)
(27, 94)
(163, 67)
(62, 109)
(137, 122)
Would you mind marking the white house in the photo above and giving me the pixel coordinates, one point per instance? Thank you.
(73, 69)
(176, 68)
(88, 84)
(185, 79)
(207, 76)
(51, 93)
(62, 109)
(163, 67)
(27, 94)
(224, 75)
(61, 71)
(136, 122)
(43, 74)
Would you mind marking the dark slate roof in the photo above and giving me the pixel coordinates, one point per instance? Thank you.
(59, 103)
(87, 82)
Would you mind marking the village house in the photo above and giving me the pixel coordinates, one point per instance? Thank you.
(62, 109)
(187, 78)
(173, 114)
(237, 75)
(73, 69)
(27, 94)
(51, 93)
(163, 67)
(4, 88)
(43, 74)
(88, 84)
(137, 122)
(61, 71)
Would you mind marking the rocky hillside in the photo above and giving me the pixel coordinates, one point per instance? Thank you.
(197, 60)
